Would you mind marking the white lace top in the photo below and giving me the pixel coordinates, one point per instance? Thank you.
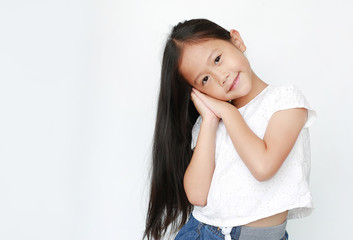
(235, 197)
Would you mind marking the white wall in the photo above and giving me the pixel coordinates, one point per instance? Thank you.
(78, 90)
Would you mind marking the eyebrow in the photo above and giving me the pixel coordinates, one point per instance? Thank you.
(208, 59)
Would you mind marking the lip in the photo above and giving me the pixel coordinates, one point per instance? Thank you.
(234, 83)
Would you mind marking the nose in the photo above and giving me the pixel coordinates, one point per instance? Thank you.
(222, 78)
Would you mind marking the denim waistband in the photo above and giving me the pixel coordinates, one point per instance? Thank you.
(248, 233)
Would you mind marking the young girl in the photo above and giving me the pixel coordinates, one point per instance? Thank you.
(231, 154)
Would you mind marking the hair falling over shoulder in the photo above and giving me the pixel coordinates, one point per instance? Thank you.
(176, 115)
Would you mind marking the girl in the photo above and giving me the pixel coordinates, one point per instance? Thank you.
(230, 151)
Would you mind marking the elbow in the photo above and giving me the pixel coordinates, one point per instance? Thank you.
(263, 173)
(198, 201)
(262, 177)
(196, 197)
(196, 193)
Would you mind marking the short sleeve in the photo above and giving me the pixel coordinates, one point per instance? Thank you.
(195, 132)
(291, 97)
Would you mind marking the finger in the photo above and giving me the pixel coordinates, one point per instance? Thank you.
(197, 93)
(192, 96)
(206, 101)
(195, 99)
(201, 95)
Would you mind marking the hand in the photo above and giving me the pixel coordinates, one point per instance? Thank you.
(203, 110)
(213, 104)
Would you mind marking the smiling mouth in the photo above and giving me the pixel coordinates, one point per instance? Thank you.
(234, 82)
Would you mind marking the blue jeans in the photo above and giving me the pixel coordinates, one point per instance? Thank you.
(196, 230)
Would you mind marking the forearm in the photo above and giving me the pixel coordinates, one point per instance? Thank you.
(198, 175)
(251, 149)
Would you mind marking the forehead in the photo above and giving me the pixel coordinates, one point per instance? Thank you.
(194, 56)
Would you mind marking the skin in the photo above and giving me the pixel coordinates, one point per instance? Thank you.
(211, 67)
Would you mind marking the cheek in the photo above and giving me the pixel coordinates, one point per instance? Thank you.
(201, 89)
(215, 94)
(240, 61)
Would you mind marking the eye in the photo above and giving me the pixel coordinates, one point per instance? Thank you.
(217, 59)
(204, 80)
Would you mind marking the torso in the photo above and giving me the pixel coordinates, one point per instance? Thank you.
(229, 199)
(270, 221)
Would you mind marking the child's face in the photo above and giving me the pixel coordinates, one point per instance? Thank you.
(217, 68)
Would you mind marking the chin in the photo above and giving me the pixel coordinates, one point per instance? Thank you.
(221, 98)
(244, 90)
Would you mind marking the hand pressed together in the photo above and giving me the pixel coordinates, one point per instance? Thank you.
(207, 106)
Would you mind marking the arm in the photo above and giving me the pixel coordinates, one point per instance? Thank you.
(263, 157)
(198, 175)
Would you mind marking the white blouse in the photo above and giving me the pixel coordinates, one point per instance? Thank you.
(235, 197)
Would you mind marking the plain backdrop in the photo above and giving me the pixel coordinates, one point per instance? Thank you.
(79, 83)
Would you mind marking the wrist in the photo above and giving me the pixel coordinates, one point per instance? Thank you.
(225, 109)
(211, 122)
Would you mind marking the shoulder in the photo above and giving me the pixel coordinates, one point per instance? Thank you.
(285, 92)
(281, 97)
(288, 97)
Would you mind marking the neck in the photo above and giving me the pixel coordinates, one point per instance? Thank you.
(257, 85)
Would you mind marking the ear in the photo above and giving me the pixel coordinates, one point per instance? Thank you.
(237, 40)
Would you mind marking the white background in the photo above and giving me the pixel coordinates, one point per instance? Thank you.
(78, 90)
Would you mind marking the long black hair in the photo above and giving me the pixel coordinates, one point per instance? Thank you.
(176, 115)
